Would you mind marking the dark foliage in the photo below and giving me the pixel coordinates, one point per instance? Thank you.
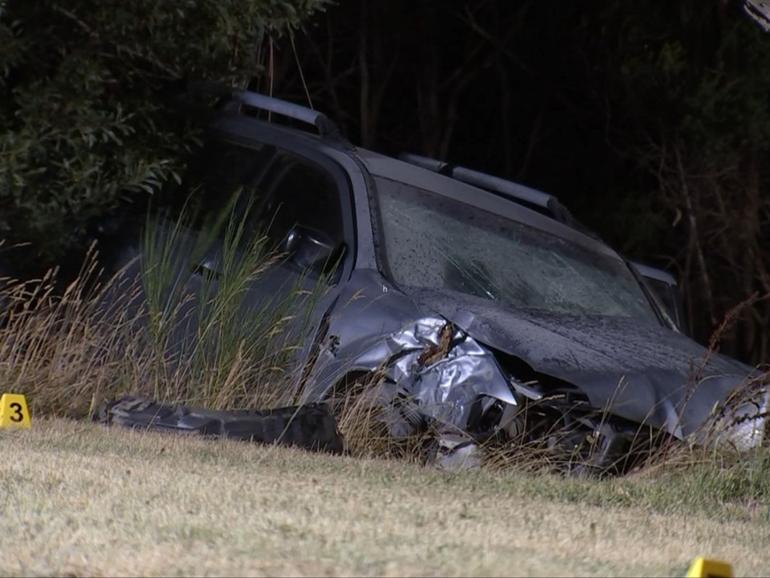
(89, 101)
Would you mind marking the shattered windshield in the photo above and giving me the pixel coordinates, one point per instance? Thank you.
(434, 242)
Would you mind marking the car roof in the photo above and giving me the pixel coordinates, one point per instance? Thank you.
(385, 167)
(493, 200)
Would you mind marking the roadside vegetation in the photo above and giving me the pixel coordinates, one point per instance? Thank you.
(162, 329)
(102, 103)
(158, 327)
(81, 499)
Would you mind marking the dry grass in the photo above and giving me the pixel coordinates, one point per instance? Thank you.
(78, 499)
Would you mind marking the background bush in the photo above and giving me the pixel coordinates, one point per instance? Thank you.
(90, 109)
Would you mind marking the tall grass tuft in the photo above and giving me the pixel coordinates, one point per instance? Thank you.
(160, 327)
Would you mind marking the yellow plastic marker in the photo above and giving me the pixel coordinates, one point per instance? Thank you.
(704, 568)
(14, 412)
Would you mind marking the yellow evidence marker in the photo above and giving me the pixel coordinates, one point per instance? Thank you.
(704, 568)
(14, 412)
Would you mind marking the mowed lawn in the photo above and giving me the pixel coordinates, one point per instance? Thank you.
(81, 499)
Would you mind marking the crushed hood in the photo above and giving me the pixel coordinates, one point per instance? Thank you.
(637, 370)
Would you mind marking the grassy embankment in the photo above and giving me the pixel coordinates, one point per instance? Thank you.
(81, 499)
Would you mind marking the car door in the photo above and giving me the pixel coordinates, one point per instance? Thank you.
(297, 203)
(294, 204)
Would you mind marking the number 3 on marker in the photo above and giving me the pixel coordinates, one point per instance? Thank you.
(18, 414)
(13, 411)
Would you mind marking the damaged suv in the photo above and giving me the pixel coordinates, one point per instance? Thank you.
(477, 305)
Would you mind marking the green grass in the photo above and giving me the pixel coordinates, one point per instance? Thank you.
(83, 499)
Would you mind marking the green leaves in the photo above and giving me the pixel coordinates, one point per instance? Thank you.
(87, 100)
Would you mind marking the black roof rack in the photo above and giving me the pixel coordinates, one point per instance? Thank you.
(434, 165)
(246, 99)
(531, 198)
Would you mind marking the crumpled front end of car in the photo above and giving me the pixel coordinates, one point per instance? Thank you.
(440, 373)
(436, 373)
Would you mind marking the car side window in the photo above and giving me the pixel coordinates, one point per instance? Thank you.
(270, 192)
(301, 194)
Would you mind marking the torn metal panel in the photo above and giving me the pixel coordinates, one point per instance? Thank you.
(443, 371)
(311, 427)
